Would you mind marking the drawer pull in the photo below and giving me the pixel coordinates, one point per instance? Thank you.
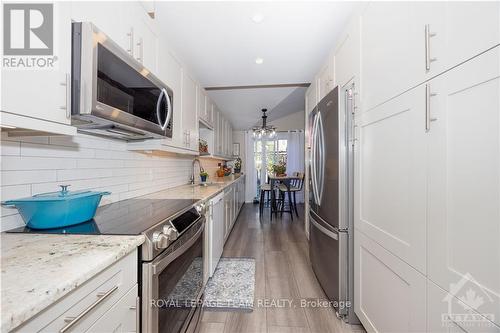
(73, 320)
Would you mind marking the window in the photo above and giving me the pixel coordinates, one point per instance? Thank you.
(268, 153)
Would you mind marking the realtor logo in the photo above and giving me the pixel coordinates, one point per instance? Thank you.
(472, 298)
(28, 36)
(28, 29)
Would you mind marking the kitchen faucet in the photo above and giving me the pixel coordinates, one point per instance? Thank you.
(192, 169)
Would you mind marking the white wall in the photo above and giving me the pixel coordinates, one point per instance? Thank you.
(35, 165)
(294, 121)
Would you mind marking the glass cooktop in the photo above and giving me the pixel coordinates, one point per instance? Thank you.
(128, 217)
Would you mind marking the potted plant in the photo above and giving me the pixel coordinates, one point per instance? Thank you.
(203, 146)
(203, 176)
(237, 165)
(279, 169)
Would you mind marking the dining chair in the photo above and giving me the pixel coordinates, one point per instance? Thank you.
(295, 185)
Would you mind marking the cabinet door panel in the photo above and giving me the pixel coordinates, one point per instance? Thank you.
(389, 294)
(472, 27)
(464, 178)
(347, 55)
(311, 98)
(170, 72)
(391, 191)
(392, 51)
(106, 15)
(43, 94)
(201, 108)
(189, 124)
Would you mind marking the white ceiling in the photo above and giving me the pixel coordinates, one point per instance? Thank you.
(219, 42)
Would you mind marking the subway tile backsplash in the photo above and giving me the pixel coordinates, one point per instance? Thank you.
(34, 165)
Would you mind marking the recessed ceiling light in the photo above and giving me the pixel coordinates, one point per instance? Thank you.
(259, 61)
(257, 18)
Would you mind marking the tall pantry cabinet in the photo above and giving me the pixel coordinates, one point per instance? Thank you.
(427, 214)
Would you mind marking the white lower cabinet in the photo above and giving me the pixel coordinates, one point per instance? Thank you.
(101, 304)
(228, 212)
(223, 212)
(464, 181)
(389, 293)
(215, 231)
(391, 169)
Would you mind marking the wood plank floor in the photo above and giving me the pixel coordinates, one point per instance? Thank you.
(283, 274)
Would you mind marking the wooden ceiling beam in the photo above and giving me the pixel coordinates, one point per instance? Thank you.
(260, 86)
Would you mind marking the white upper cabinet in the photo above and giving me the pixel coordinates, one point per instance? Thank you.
(311, 97)
(106, 15)
(170, 72)
(189, 119)
(391, 172)
(472, 27)
(42, 94)
(392, 54)
(325, 77)
(347, 54)
(202, 104)
(464, 172)
(406, 43)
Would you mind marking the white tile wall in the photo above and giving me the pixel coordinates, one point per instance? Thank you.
(36, 165)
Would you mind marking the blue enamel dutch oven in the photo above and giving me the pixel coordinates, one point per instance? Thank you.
(57, 209)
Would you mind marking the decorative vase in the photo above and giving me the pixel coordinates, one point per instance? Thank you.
(203, 178)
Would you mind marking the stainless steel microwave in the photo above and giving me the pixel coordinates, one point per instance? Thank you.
(113, 94)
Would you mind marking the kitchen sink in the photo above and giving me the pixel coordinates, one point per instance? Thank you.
(206, 184)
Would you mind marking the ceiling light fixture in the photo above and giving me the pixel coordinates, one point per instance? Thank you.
(258, 18)
(259, 61)
(265, 131)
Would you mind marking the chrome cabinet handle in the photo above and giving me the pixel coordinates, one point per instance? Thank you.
(137, 313)
(428, 59)
(67, 95)
(141, 50)
(130, 49)
(428, 118)
(73, 320)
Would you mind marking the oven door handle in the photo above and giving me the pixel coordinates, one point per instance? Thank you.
(160, 263)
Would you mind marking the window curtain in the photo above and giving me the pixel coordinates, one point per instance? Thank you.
(250, 171)
(295, 156)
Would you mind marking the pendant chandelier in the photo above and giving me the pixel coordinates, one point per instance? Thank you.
(265, 131)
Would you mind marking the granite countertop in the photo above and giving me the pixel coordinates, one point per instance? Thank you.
(196, 191)
(39, 269)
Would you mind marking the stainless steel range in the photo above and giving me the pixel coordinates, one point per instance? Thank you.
(171, 262)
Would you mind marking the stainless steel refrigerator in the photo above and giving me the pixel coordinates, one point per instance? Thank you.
(331, 242)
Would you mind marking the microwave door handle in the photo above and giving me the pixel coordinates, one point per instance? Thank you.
(169, 109)
(158, 111)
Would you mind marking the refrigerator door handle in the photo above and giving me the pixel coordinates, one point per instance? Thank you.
(324, 230)
(314, 160)
(321, 141)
